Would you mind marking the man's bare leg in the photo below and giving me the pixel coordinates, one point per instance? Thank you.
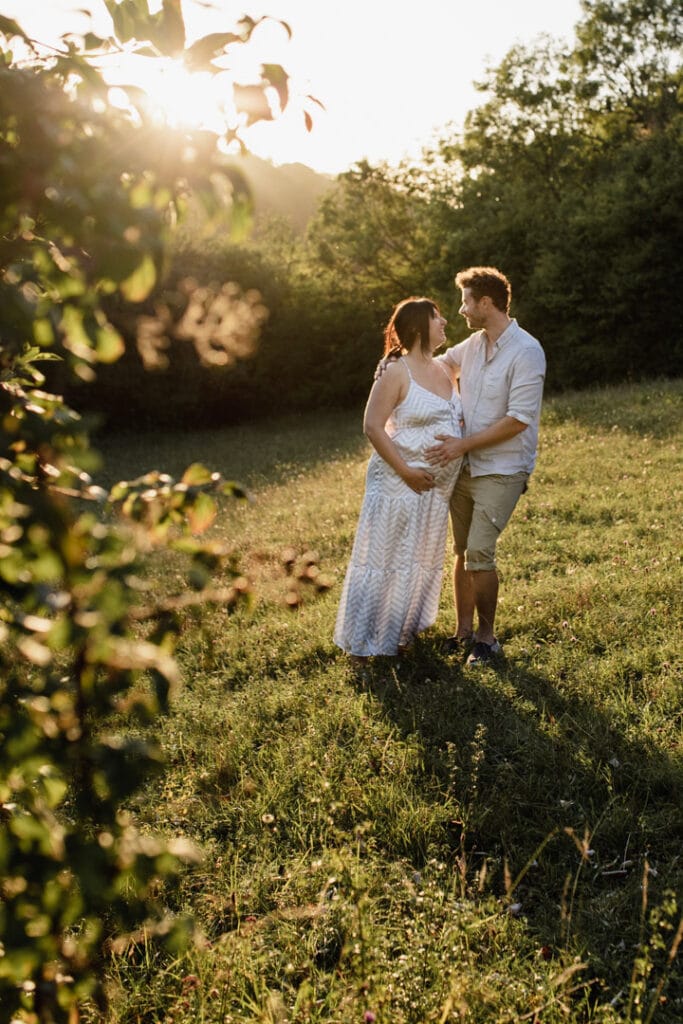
(464, 598)
(485, 590)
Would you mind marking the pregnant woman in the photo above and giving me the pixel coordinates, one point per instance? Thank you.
(393, 582)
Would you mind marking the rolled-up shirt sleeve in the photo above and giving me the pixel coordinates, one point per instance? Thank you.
(526, 387)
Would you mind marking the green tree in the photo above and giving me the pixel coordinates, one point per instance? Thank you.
(571, 184)
(628, 57)
(373, 230)
(89, 198)
(567, 176)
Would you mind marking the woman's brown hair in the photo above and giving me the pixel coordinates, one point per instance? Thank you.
(409, 321)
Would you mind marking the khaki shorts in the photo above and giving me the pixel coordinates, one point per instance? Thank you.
(480, 508)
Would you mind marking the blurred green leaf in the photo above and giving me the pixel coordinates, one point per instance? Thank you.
(199, 56)
(137, 287)
(202, 513)
(44, 334)
(89, 196)
(11, 28)
(75, 337)
(92, 41)
(199, 577)
(196, 475)
(276, 75)
(252, 101)
(110, 345)
(168, 28)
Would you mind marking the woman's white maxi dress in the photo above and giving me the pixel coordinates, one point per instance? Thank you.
(393, 582)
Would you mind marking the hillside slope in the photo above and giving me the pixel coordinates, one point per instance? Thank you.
(290, 191)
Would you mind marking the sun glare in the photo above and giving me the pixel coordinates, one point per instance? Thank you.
(177, 97)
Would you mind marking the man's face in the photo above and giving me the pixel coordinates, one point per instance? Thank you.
(472, 309)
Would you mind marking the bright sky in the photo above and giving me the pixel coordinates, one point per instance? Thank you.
(389, 73)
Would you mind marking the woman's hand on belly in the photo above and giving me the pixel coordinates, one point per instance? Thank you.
(419, 480)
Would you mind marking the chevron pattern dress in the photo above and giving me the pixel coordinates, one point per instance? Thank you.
(393, 582)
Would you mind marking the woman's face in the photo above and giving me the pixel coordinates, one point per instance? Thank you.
(437, 331)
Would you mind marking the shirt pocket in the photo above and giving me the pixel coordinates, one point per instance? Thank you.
(495, 394)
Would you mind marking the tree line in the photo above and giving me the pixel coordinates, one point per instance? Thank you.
(567, 176)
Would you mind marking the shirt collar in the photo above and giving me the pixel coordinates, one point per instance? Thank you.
(505, 337)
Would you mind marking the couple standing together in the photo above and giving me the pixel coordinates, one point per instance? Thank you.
(436, 449)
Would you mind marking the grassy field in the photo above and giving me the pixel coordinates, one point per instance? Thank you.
(426, 843)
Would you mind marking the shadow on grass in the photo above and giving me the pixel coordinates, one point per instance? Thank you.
(255, 454)
(549, 790)
(274, 451)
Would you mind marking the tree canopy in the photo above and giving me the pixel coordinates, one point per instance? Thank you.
(568, 177)
(90, 196)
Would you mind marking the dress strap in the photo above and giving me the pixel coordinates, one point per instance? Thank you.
(407, 368)
(450, 381)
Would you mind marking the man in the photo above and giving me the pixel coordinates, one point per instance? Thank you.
(502, 370)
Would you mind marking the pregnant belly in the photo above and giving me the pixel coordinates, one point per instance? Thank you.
(413, 450)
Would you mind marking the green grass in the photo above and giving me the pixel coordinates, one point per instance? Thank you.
(425, 844)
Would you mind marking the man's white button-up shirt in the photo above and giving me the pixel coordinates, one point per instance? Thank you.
(509, 383)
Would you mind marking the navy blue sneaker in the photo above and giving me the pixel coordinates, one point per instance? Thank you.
(483, 654)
